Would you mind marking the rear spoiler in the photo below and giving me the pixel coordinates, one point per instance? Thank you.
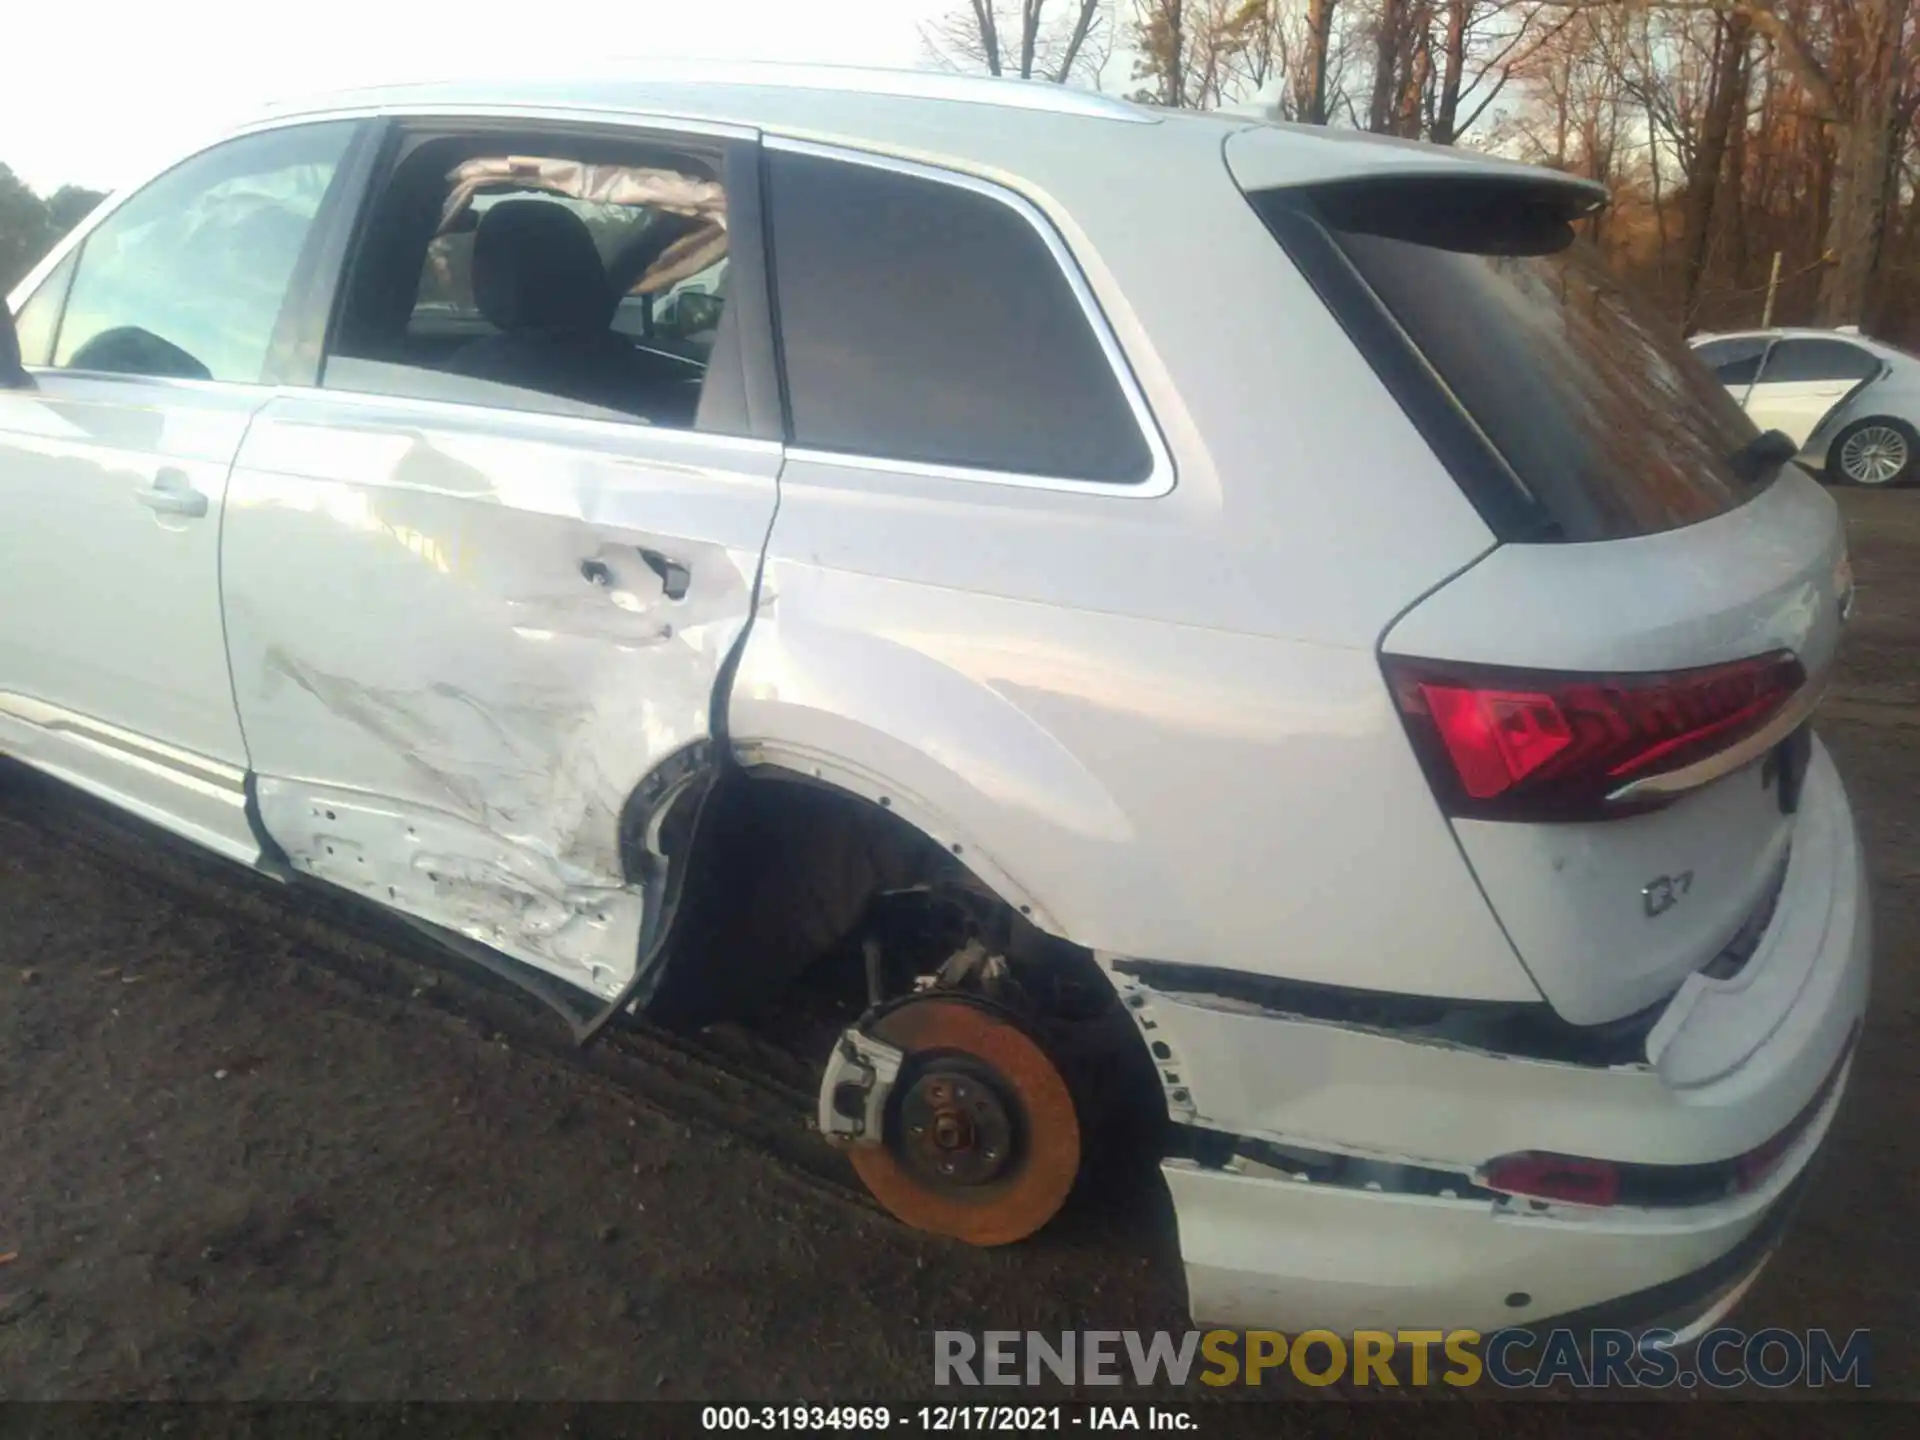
(1384, 175)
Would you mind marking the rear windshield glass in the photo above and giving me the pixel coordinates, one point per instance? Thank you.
(1605, 417)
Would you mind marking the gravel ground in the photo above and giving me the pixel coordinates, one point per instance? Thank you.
(258, 1145)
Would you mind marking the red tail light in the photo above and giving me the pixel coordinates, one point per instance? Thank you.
(1555, 1177)
(1503, 743)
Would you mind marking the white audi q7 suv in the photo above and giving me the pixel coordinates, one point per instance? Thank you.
(1239, 628)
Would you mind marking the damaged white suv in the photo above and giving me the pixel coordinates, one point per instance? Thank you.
(1056, 571)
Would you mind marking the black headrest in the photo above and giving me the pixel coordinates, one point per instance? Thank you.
(535, 267)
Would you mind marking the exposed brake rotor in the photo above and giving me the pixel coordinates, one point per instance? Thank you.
(980, 1141)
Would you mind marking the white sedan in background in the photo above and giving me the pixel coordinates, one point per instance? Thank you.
(1851, 404)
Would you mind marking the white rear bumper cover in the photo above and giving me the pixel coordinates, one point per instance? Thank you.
(1264, 1250)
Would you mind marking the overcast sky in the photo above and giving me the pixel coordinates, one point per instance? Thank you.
(91, 92)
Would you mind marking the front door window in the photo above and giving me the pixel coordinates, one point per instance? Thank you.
(189, 278)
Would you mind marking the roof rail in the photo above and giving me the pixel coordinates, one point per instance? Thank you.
(781, 75)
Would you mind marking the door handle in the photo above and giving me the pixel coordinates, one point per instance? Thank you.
(171, 493)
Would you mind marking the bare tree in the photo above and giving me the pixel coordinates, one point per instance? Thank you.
(1726, 100)
(1438, 66)
(1310, 73)
(1196, 54)
(1850, 58)
(1479, 43)
(1027, 39)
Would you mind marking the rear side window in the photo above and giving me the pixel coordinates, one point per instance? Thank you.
(925, 322)
(1733, 362)
(554, 273)
(1819, 360)
(1598, 418)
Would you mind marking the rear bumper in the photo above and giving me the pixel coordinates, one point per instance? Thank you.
(1292, 1256)
(1689, 1304)
(1736, 1063)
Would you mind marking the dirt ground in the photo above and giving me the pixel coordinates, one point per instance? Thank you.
(254, 1144)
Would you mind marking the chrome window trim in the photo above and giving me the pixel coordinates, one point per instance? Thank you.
(1160, 477)
(454, 111)
(256, 388)
(536, 419)
(263, 393)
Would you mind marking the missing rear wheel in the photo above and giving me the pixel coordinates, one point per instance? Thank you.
(982, 1139)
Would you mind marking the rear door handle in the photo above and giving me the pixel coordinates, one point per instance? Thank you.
(173, 494)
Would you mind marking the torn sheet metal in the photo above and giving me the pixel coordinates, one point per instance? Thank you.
(461, 876)
(1360, 1092)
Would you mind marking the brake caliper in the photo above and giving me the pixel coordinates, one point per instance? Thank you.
(855, 1088)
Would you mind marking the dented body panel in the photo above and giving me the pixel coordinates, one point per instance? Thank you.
(454, 664)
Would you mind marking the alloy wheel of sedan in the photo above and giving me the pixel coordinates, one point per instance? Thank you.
(1876, 453)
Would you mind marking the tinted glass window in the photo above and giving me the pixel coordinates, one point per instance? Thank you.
(922, 321)
(1611, 426)
(39, 318)
(189, 276)
(1819, 360)
(1733, 362)
(543, 280)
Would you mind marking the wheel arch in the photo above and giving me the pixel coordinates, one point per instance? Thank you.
(936, 825)
(1833, 463)
(812, 826)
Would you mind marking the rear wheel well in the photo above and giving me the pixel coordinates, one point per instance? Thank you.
(795, 890)
(779, 872)
(805, 911)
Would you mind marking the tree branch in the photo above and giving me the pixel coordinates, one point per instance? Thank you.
(989, 34)
(1089, 12)
(1793, 48)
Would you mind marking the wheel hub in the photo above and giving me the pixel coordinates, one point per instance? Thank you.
(956, 1127)
(981, 1140)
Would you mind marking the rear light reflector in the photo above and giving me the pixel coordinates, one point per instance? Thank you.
(1751, 1170)
(1544, 744)
(1555, 1177)
(1576, 1180)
